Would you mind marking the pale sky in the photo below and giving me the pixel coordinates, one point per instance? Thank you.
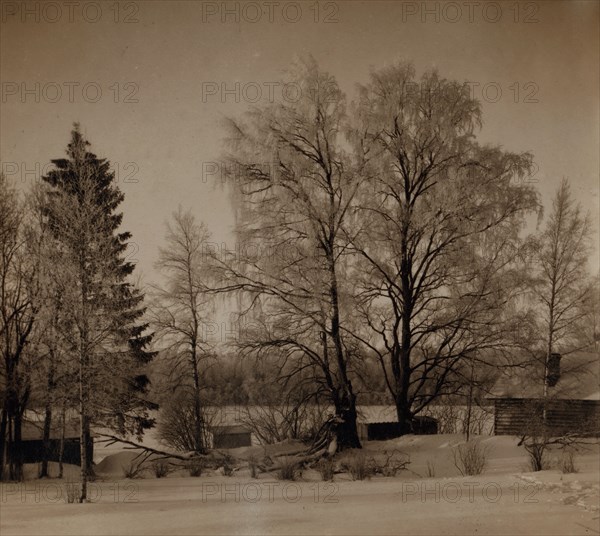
(177, 48)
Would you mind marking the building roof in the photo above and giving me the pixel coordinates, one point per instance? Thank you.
(32, 431)
(579, 379)
(231, 429)
(377, 414)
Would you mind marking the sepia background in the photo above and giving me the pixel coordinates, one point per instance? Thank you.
(157, 117)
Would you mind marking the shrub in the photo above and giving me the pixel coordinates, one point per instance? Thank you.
(359, 466)
(133, 470)
(228, 464)
(253, 466)
(430, 469)
(538, 457)
(71, 491)
(289, 468)
(176, 426)
(326, 468)
(161, 468)
(470, 458)
(394, 461)
(567, 461)
(195, 467)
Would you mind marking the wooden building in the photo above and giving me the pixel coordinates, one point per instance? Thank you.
(231, 436)
(32, 447)
(564, 397)
(382, 427)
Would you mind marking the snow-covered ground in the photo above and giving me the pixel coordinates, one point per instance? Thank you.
(505, 499)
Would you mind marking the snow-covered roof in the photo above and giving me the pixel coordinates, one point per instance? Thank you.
(579, 379)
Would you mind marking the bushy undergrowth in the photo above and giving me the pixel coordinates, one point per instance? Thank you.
(326, 468)
(470, 458)
(289, 469)
(161, 468)
(195, 468)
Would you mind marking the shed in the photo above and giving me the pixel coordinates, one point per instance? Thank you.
(380, 423)
(32, 444)
(231, 436)
(568, 391)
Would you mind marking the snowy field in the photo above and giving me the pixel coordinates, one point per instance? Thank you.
(505, 499)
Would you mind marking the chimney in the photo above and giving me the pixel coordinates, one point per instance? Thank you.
(553, 370)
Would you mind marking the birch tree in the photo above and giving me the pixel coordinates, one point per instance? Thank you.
(563, 288)
(293, 190)
(181, 312)
(18, 311)
(436, 235)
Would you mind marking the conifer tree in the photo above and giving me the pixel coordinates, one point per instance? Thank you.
(103, 310)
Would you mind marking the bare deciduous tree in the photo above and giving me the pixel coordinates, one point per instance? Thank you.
(18, 286)
(437, 235)
(563, 289)
(293, 191)
(181, 311)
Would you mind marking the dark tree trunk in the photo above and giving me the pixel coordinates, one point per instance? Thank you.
(3, 442)
(346, 430)
(17, 449)
(198, 424)
(89, 446)
(46, 440)
(83, 450)
(50, 386)
(61, 448)
(404, 414)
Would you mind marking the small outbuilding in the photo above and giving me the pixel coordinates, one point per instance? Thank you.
(231, 436)
(382, 425)
(32, 445)
(565, 393)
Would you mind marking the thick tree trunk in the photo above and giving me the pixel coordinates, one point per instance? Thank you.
(89, 445)
(50, 386)
(46, 440)
(17, 448)
(61, 448)
(83, 430)
(404, 414)
(83, 455)
(402, 370)
(10, 441)
(198, 424)
(346, 430)
(403, 409)
(3, 442)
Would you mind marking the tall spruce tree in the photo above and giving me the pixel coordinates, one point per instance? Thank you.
(107, 338)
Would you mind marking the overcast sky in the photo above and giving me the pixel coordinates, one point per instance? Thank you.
(538, 62)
